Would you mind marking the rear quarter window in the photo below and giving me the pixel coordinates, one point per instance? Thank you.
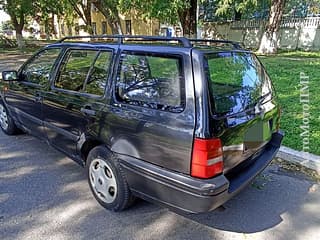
(153, 81)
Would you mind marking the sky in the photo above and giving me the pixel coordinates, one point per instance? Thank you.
(3, 16)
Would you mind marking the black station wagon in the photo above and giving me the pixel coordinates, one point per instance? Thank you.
(186, 123)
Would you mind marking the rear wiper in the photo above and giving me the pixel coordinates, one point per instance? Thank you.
(263, 97)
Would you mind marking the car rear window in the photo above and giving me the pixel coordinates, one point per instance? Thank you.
(237, 81)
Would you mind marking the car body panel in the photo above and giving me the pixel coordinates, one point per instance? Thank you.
(149, 134)
(154, 146)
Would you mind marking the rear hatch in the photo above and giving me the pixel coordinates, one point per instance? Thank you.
(244, 113)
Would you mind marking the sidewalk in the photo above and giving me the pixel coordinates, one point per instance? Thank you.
(305, 159)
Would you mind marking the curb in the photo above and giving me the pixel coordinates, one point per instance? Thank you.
(305, 159)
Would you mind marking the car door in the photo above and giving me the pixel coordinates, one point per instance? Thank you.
(76, 97)
(151, 110)
(24, 97)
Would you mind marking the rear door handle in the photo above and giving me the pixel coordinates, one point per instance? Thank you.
(88, 111)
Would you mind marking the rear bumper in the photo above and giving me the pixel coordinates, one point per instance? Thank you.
(189, 194)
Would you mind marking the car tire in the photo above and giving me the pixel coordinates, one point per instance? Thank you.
(107, 181)
(6, 122)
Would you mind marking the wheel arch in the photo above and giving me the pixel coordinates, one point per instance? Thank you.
(86, 144)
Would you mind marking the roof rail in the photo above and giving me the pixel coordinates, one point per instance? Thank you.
(183, 41)
(87, 37)
(236, 45)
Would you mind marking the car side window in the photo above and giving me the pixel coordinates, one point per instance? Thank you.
(75, 67)
(38, 70)
(97, 78)
(154, 81)
(85, 71)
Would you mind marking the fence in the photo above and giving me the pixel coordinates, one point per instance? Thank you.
(294, 33)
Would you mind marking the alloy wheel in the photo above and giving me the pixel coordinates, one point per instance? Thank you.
(102, 180)
(3, 118)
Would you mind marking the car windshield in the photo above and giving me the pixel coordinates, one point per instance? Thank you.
(237, 81)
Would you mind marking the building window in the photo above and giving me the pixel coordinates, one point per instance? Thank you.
(94, 28)
(104, 27)
(128, 27)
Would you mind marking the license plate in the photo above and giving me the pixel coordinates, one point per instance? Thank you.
(257, 135)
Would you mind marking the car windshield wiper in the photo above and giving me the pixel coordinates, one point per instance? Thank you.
(263, 97)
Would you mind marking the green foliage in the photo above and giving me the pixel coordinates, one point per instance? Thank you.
(285, 69)
(225, 7)
(21, 11)
(83, 10)
(5, 26)
(46, 7)
(17, 7)
(18, 10)
(300, 8)
(260, 9)
(164, 10)
(163, 67)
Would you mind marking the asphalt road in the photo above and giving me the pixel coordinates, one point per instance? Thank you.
(12, 61)
(44, 195)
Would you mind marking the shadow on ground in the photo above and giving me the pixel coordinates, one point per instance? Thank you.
(44, 195)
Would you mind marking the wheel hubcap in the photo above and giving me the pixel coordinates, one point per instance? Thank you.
(3, 117)
(102, 180)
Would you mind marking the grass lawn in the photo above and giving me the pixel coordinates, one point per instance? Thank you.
(284, 69)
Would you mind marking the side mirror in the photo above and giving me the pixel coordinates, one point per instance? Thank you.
(9, 75)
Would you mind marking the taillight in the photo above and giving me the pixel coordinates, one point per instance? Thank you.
(207, 158)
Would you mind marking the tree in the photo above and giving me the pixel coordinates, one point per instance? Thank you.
(83, 10)
(234, 7)
(109, 9)
(184, 11)
(269, 41)
(18, 11)
(188, 18)
(45, 10)
(166, 11)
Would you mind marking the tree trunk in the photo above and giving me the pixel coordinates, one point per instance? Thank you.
(18, 26)
(19, 37)
(87, 15)
(115, 27)
(188, 19)
(47, 28)
(111, 15)
(83, 9)
(237, 15)
(54, 29)
(269, 41)
(59, 26)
